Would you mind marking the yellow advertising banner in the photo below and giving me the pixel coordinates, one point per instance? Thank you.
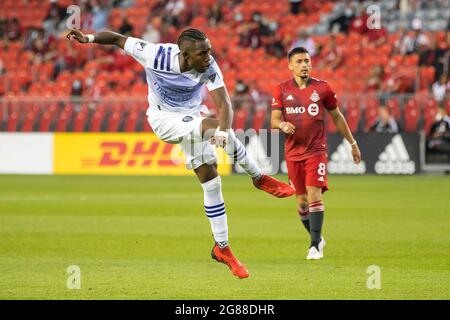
(122, 154)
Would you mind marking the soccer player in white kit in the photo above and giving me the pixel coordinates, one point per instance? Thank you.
(175, 76)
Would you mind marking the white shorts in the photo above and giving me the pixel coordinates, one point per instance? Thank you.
(184, 129)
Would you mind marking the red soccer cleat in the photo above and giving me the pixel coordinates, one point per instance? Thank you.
(273, 186)
(226, 256)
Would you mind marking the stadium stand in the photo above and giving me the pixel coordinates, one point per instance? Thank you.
(50, 84)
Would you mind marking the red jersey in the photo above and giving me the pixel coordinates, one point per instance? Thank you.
(305, 109)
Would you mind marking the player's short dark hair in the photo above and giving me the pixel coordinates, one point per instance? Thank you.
(190, 35)
(297, 50)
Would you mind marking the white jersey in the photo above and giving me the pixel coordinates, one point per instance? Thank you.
(168, 87)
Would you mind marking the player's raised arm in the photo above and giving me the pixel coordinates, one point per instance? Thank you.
(104, 37)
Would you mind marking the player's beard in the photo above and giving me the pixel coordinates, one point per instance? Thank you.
(304, 75)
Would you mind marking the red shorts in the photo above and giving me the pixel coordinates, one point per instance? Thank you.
(311, 172)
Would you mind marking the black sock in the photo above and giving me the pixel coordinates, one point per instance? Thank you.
(315, 222)
(306, 224)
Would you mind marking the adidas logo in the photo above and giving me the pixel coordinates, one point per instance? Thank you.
(290, 97)
(341, 161)
(395, 159)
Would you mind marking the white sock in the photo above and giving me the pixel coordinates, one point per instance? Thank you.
(236, 151)
(215, 210)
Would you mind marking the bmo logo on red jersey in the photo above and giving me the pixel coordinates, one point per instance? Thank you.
(313, 110)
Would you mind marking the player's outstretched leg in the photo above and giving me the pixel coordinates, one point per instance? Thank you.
(236, 150)
(225, 255)
(215, 211)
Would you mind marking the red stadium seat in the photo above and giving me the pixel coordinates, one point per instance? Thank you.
(370, 113)
(13, 121)
(447, 106)
(394, 108)
(114, 121)
(145, 125)
(430, 103)
(426, 76)
(2, 85)
(259, 119)
(331, 127)
(29, 121)
(79, 121)
(97, 119)
(353, 115)
(240, 118)
(130, 124)
(61, 124)
(411, 60)
(44, 124)
(429, 116)
(411, 115)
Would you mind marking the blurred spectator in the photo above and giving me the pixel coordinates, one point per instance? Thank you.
(38, 47)
(173, 10)
(240, 88)
(167, 33)
(398, 44)
(100, 12)
(428, 56)
(376, 79)
(55, 12)
(68, 60)
(251, 33)
(158, 8)
(257, 96)
(55, 21)
(399, 82)
(241, 95)
(359, 22)
(331, 56)
(440, 88)
(442, 57)
(215, 15)
(14, 30)
(274, 45)
(384, 122)
(439, 135)
(126, 28)
(77, 88)
(305, 41)
(295, 6)
(404, 6)
(225, 61)
(342, 22)
(412, 42)
(2, 69)
(3, 27)
(151, 33)
(376, 37)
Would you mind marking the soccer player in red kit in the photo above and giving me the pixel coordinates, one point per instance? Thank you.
(299, 107)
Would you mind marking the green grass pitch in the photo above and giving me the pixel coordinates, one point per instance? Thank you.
(148, 238)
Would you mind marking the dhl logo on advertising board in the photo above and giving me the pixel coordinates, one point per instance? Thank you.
(121, 154)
